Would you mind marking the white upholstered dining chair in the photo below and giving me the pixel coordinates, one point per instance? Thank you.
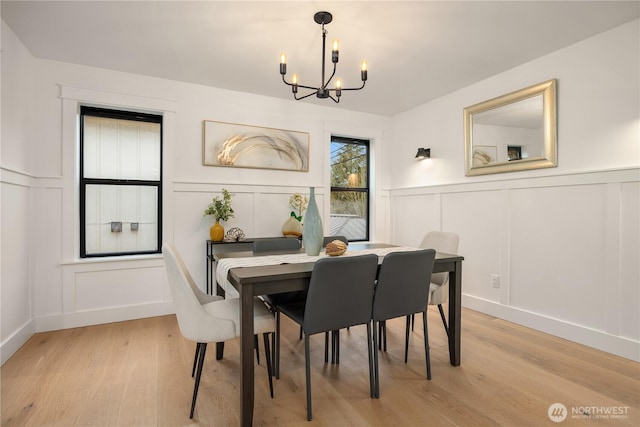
(215, 321)
(447, 242)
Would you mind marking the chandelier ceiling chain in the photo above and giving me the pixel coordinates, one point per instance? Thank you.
(323, 91)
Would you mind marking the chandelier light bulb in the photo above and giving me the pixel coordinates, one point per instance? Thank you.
(283, 58)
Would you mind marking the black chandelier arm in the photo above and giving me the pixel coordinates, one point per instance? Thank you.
(310, 87)
(315, 91)
(295, 96)
(299, 85)
(355, 88)
(322, 91)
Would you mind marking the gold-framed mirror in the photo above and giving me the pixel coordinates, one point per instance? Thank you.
(513, 132)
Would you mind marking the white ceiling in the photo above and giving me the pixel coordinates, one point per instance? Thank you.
(416, 50)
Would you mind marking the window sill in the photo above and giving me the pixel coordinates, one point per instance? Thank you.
(114, 259)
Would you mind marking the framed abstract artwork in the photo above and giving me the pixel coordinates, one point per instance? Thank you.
(245, 146)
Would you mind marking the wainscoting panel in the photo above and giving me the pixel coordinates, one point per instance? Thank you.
(629, 295)
(557, 252)
(412, 215)
(113, 288)
(17, 288)
(475, 216)
(565, 249)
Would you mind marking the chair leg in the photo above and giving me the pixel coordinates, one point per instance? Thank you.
(382, 330)
(203, 350)
(406, 340)
(413, 321)
(444, 319)
(384, 335)
(276, 347)
(335, 347)
(370, 354)
(376, 374)
(257, 347)
(267, 353)
(195, 360)
(326, 347)
(308, 375)
(426, 344)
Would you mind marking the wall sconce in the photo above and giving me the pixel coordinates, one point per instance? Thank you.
(423, 153)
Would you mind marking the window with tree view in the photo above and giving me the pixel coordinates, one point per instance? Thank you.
(350, 188)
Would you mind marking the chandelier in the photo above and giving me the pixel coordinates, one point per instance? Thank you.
(322, 18)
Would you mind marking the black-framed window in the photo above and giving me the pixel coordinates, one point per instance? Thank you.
(350, 202)
(120, 182)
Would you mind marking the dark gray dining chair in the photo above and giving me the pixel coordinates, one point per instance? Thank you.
(340, 295)
(335, 335)
(272, 244)
(401, 290)
(269, 244)
(278, 244)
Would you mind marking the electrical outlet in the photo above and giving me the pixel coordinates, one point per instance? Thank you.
(495, 280)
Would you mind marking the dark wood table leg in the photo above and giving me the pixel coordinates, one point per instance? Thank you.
(455, 313)
(246, 355)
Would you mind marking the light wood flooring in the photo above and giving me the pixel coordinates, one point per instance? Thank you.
(137, 373)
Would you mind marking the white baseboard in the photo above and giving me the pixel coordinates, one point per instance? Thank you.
(619, 346)
(12, 344)
(106, 315)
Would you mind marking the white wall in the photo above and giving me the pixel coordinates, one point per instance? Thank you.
(45, 286)
(16, 195)
(565, 241)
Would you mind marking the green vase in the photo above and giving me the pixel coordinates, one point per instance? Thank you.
(312, 233)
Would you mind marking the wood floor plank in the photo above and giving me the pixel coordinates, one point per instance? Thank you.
(138, 373)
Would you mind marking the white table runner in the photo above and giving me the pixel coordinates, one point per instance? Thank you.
(226, 264)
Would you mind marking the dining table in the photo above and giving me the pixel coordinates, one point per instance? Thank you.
(264, 273)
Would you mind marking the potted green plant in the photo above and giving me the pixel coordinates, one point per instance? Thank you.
(221, 210)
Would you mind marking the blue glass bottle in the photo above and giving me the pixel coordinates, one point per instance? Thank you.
(312, 233)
